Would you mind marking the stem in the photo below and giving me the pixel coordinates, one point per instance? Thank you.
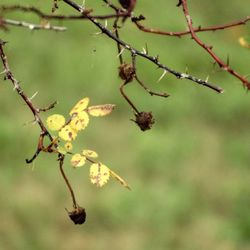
(61, 161)
(127, 99)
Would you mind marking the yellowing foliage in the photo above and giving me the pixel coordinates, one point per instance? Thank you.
(99, 174)
(68, 146)
(79, 121)
(100, 110)
(68, 131)
(55, 122)
(89, 153)
(80, 106)
(244, 43)
(78, 160)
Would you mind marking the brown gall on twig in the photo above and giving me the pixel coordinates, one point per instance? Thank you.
(144, 120)
(78, 215)
(127, 72)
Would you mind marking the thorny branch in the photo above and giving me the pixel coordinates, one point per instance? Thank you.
(137, 20)
(127, 71)
(209, 49)
(153, 59)
(78, 211)
(5, 22)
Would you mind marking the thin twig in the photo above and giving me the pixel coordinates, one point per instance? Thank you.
(219, 61)
(61, 161)
(136, 21)
(9, 75)
(31, 26)
(127, 99)
(153, 59)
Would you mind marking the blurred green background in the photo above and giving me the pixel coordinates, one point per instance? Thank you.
(189, 175)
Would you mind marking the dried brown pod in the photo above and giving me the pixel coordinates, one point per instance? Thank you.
(78, 215)
(126, 72)
(144, 120)
(128, 4)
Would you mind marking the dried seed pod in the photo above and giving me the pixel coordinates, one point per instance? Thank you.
(128, 4)
(126, 72)
(78, 215)
(144, 120)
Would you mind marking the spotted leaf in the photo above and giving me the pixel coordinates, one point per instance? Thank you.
(55, 122)
(89, 153)
(79, 121)
(67, 133)
(80, 106)
(68, 146)
(118, 178)
(99, 174)
(77, 160)
(100, 110)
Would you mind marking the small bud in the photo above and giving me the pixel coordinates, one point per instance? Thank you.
(78, 215)
(144, 120)
(126, 72)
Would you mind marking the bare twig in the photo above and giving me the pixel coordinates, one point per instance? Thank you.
(31, 26)
(61, 161)
(219, 61)
(153, 59)
(236, 23)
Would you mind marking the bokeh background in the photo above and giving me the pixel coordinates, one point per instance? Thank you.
(189, 175)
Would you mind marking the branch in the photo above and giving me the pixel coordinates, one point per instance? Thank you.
(31, 26)
(128, 47)
(39, 13)
(220, 62)
(35, 111)
(136, 21)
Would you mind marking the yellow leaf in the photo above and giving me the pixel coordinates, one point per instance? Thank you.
(118, 178)
(61, 150)
(68, 146)
(99, 174)
(100, 110)
(243, 42)
(55, 122)
(67, 133)
(89, 153)
(77, 160)
(80, 106)
(80, 121)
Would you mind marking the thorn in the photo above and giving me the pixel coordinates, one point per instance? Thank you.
(31, 27)
(97, 33)
(33, 96)
(163, 74)
(3, 72)
(106, 23)
(207, 78)
(122, 50)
